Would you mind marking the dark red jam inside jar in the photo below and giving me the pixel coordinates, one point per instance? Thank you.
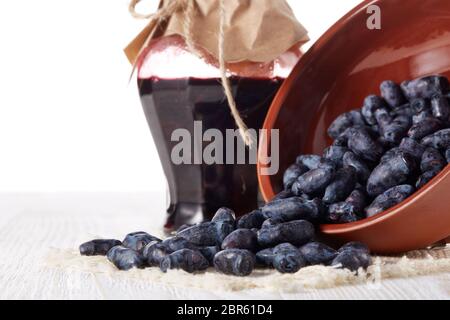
(179, 89)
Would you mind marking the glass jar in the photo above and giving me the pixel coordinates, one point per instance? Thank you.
(180, 90)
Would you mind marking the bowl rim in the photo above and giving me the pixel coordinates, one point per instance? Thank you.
(272, 115)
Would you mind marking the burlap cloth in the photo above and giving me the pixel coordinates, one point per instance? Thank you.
(413, 264)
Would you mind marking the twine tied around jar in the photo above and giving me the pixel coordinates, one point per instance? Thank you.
(188, 7)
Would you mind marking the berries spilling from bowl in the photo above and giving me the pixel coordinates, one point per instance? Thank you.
(280, 239)
(382, 153)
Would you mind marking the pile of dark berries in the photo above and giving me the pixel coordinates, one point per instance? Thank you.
(275, 236)
(381, 155)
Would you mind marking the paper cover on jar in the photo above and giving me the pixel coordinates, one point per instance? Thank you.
(255, 30)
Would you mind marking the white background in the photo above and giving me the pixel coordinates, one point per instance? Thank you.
(69, 120)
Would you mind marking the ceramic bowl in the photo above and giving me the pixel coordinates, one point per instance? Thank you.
(345, 65)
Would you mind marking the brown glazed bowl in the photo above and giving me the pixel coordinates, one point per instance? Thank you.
(345, 65)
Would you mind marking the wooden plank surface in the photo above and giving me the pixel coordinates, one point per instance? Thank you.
(33, 224)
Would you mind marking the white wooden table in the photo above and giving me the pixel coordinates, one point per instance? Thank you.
(32, 224)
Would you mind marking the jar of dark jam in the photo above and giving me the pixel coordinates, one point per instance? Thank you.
(180, 90)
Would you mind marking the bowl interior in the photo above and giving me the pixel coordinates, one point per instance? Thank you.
(347, 64)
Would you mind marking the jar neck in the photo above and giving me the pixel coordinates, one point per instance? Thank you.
(169, 58)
